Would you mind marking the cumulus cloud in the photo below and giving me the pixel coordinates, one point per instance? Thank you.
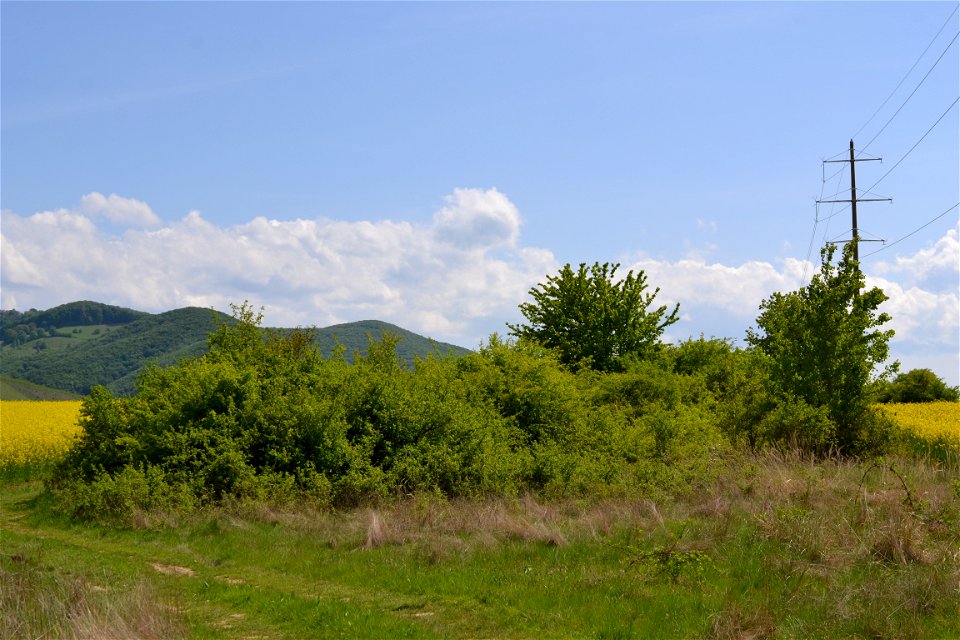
(123, 211)
(447, 279)
(474, 218)
(723, 301)
(942, 258)
(921, 316)
(736, 290)
(457, 278)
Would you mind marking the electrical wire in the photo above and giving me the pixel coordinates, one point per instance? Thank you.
(816, 216)
(896, 164)
(813, 235)
(834, 174)
(833, 212)
(864, 148)
(884, 248)
(942, 116)
(907, 74)
(824, 179)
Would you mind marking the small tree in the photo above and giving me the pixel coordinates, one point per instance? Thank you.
(824, 343)
(592, 319)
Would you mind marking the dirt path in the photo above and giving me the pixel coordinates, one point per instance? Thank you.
(216, 601)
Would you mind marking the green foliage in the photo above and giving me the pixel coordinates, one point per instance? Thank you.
(594, 320)
(916, 385)
(794, 423)
(673, 561)
(264, 416)
(811, 548)
(823, 344)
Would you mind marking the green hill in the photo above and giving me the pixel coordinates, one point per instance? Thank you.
(114, 357)
(18, 328)
(354, 336)
(16, 389)
(78, 345)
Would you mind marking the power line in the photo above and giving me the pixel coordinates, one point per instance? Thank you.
(834, 174)
(864, 148)
(853, 159)
(907, 74)
(884, 248)
(897, 163)
(833, 206)
(915, 144)
(816, 216)
(854, 227)
(813, 236)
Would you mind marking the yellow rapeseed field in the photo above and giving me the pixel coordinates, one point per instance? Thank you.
(929, 420)
(36, 432)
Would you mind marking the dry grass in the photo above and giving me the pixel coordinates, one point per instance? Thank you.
(733, 623)
(828, 513)
(38, 603)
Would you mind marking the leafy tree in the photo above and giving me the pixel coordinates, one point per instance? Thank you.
(824, 342)
(592, 319)
(918, 385)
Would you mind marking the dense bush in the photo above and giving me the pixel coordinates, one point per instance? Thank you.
(270, 419)
(264, 416)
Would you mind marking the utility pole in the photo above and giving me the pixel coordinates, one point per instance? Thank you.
(854, 199)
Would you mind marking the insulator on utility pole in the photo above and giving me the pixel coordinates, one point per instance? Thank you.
(854, 199)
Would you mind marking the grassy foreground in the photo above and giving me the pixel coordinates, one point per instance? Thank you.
(780, 546)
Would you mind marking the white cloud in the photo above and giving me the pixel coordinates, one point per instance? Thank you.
(124, 211)
(735, 290)
(921, 316)
(449, 279)
(941, 258)
(723, 301)
(17, 269)
(707, 225)
(457, 279)
(474, 218)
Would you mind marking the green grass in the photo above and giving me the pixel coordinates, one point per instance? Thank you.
(17, 389)
(780, 546)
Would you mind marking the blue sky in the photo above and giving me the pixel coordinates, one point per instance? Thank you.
(427, 163)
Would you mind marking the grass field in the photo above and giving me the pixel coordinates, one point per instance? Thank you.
(779, 546)
(17, 389)
(782, 546)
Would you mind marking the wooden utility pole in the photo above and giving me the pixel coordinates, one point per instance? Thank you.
(854, 199)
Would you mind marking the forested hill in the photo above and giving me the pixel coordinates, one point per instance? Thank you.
(76, 346)
(18, 327)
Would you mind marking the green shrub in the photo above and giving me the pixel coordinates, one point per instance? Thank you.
(796, 424)
(117, 497)
(265, 417)
(916, 385)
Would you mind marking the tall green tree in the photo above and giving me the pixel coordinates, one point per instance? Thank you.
(593, 319)
(825, 343)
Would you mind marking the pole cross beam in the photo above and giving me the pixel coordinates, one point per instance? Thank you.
(853, 197)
